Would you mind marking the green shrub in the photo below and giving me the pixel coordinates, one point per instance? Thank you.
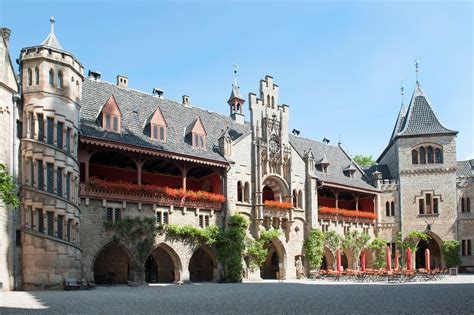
(450, 251)
(314, 249)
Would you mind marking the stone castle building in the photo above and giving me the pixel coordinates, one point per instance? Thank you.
(70, 140)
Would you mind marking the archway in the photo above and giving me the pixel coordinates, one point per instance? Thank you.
(162, 266)
(112, 265)
(344, 260)
(201, 266)
(274, 265)
(435, 253)
(275, 187)
(328, 260)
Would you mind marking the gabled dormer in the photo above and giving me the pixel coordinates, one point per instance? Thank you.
(225, 143)
(156, 126)
(110, 116)
(323, 164)
(197, 133)
(350, 170)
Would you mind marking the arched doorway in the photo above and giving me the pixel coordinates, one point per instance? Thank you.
(268, 194)
(201, 266)
(274, 265)
(328, 260)
(112, 265)
(344, 260)
(435, 254)
(162, 265)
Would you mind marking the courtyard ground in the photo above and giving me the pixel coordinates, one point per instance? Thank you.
(454, 295)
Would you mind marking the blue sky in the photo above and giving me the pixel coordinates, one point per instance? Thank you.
(339, 65)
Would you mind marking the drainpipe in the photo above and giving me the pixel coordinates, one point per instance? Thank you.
(13, 171)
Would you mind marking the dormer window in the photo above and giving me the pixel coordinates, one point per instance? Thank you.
(157, 126)
(198, 134)
(111, 116)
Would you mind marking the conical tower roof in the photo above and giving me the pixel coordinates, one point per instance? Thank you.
(51, 40)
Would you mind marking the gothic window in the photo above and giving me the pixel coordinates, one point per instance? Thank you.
(430, 155)
(50, 222)
(68, 140)
(438, 155)
(268, 100)
(422, 155)
(40, 175)
(273, 102)
(68, 186)
(50, 130)
(49, 177)
(468, 205)
(40, 127)
(60, 80)
(59, 181)
(239, 191)
(40, 220)
(60, 226)
(59, 135)
(421, 206)
(414, 156)
(30, 78)
(463, 207)
(392, 209)
(387, 209)
(268, 194)
(300, 199)
(37, 76)
(247, 192)
(295, 198)
(51, 77)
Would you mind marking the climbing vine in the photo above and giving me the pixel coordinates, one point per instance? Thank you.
(356, 242)
(7, 188)
(314, 249)
(333, 242)
(256, 249)
(138, 234)
(191, 234)
(378, 247)
(412, 239)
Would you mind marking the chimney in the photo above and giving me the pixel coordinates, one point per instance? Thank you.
(158, 93)
(186, 100)
(122, 81)
(296, 132)
(6, 35)
(94, 75)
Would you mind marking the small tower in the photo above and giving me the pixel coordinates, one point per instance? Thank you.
(51, 85)
(236, 102)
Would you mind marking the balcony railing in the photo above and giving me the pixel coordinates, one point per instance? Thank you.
(149, 197)
(334, 214)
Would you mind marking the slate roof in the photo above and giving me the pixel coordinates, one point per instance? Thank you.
(465, 168)
(137, 107)
(420, 118)
(337, 158)
(235, 93)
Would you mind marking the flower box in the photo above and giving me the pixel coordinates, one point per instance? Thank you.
(278, 205)
(347, 213)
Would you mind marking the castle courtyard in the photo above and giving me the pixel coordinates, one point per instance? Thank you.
(448, 296)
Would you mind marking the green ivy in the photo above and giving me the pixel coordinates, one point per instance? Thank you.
(191, 234)
(450, 251)
(138, 234)
(256, 249)
(356, 242)
(412, 239)
(333, 242)
(7, 188)
(314, 249)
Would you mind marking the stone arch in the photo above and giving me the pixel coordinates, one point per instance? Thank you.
(112, 263)
(275, 263)
(347, 259)
(279, 187)
(328, 260)
(203, 265)
(168, 265)
(434, 244)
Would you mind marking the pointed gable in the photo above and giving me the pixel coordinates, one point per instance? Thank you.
(111, 115)
(157, 118)
(198, 134)
(156, 126)
(421, 118)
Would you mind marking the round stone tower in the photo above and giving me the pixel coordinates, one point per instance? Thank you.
(51, 84)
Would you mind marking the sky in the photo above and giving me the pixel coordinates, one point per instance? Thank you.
(339, 65)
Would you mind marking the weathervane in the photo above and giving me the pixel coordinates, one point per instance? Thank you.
(402, 91)
(52, 20)
(417, 69)
(236, 67)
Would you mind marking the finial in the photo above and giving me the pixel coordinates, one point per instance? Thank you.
(402, 92)
(236, 67)
(52, 20)
(417, 70)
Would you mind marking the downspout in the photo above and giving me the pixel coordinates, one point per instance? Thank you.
(16, 98)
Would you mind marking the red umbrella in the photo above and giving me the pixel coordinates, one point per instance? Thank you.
(408, 258)
(362, 261)
(388, 256)
(397, 257)
(427, 259)
(338, 260)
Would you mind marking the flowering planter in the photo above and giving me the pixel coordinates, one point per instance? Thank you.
(124, 191)
(277, 205)
(346, 215)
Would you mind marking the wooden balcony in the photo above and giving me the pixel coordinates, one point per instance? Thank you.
(335, 214)
(340, 218)
(89, 191)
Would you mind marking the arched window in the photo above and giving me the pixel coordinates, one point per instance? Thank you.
(268, 100)
(77, 88)
(51, 77)
(463, 207)
(387, 209)
(392, 208)
(430, 155)
(422, 155)
(468, 205)
(295, 198)
(438, 155)
(239, 191)
(37, 76)
(268, 194)
(60, 80)
(273, 102)
(247, 192)
(30, 78)
(300, 199)
(414, 157)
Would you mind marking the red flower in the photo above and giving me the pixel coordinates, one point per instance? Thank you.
(278, 205)
(348, 213)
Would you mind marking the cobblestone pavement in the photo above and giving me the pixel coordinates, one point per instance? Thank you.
(266, 297)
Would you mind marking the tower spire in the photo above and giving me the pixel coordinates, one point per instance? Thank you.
(52, 20)
(236, 67)
(402, 92)
(51, 40)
